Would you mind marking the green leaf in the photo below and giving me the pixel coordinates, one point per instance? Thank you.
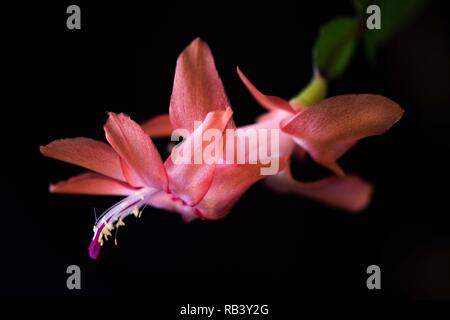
(395, 16)
(335, 45)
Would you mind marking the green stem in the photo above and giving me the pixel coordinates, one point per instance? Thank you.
(314, 92)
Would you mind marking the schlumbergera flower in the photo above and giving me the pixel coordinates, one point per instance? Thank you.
(326, 130)
(131, 166)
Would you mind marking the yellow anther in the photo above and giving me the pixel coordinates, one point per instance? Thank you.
(108, 226)
(135, 211)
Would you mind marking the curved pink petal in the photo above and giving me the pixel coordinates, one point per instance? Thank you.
(190, 180)
(88, 153)
(273, 119)
(142, 165)
(268, 102)
(349, 193)
(229, 184)
(328, 129)
(158, 127)
(197, 88)
(94, 184)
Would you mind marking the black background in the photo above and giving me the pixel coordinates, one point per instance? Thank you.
(60, 83)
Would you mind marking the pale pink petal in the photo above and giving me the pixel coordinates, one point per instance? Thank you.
(274, 117)
(163, 200)
(268, 102)
(141, 162)
(197, 88)
(158, 127)
(229, 184)
(94, 184)
(265, 124)
(168, 202)
(349, 193)
(190, 181)
(88, 153)
(328, 129)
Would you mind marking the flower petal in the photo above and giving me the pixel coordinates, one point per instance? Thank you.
(188, 180)
(197, 88)
(268, 102)
(88, 153)
(158, 127)
(229, 184)
(94, 184)
(141, 162)
(269, 121)
(328, 129)
(349, 193)
(166, 201)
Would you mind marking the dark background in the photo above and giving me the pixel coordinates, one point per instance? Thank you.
(59, 83)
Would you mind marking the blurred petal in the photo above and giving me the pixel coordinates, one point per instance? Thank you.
(299, 153)
(88, 153)
(94, 184)
(328, 129)
(197, 88)
(158, 127)
(268, 102)
(335, 168)
(191, 181)
(229, 184)
(141, 162)
(349, 193)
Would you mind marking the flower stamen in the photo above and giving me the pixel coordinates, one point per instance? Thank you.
(113, 218)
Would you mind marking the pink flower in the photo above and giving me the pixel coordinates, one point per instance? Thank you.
(131, 166)
(325, 131)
